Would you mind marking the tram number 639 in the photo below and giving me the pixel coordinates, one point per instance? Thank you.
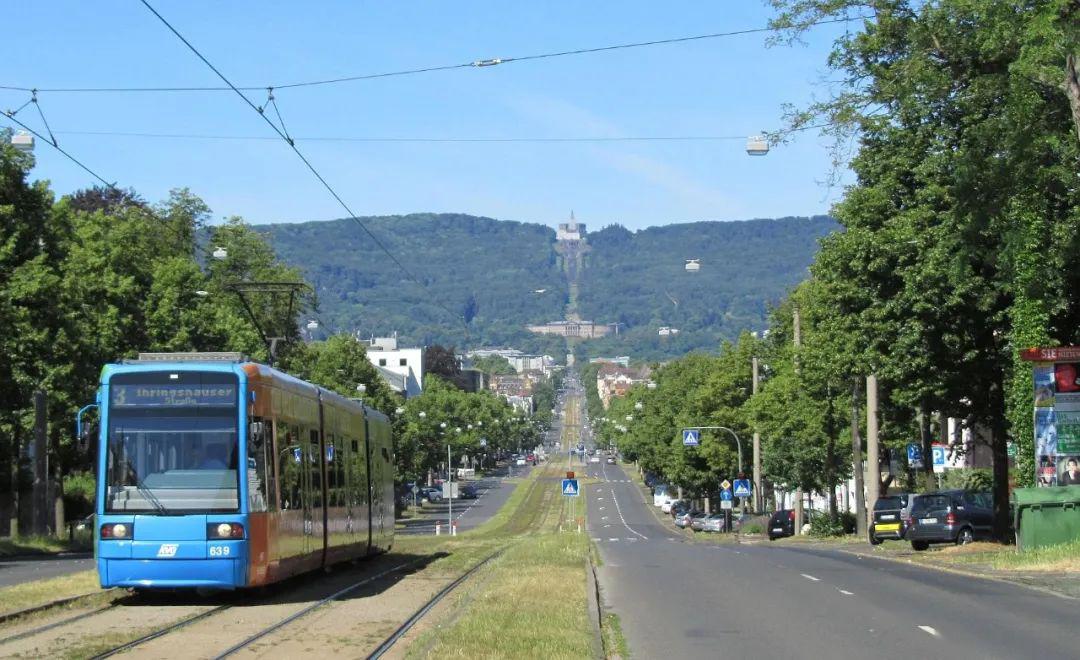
(219, 550)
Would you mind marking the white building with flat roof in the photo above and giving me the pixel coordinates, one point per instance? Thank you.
(407, 364)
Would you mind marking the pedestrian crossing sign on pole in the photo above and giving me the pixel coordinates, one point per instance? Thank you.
(570, 487)
(742, 488)
(691, 437)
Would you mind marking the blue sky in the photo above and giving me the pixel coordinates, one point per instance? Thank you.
(729, 86)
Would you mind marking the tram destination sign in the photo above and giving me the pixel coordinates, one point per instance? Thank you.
(218, 394)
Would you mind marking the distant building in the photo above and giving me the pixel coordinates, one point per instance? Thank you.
(583, 329)
(622, 360)
(693, 265)
(570, 231)
(401, 368)
(521, 362)
(613, 380)
(665, 331)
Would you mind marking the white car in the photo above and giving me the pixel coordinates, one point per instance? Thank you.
(594, 459)
(520, 460)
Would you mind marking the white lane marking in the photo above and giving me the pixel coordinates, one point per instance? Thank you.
(613, 539)
(597, 538)
(619, 510)
(846, 593)
(603, 517)
(599, 490)
(930, 631)
(607, 526)
(601, 508)
(810, 577)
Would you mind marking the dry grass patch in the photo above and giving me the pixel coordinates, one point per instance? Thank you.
(41, 592)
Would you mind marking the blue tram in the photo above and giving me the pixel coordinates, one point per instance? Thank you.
(218, 473)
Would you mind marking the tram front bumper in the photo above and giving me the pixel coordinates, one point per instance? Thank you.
(180, 565)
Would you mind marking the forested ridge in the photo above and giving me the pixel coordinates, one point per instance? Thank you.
(484, 280)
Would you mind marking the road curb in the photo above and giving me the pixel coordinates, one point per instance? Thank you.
(961, 572)
(595, 613)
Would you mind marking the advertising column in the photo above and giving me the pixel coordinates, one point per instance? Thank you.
(1056, 374)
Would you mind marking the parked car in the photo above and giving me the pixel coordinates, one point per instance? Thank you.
(697, 521)
(716, 522)
(431, 494)
(679, 507)
(782, 523)
(950, 516)
(520, 460)
(683, 519)
(665, 507)
(594, 459)
(891, 517)
(468, 492)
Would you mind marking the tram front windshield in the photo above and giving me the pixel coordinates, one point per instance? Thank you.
(172, 443)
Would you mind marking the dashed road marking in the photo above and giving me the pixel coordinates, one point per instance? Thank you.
(846, 593)
(622, 518)
(613, 539)
(929, 630)
(810, 577)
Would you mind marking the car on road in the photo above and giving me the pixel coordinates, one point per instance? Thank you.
(782, 523)
(468, 492)
(520, 461)
(891, 517)
(950, 516)
(611, 460)
(594, 459)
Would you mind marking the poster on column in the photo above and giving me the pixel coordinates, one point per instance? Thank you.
(1044, 385)
(1067, 425)
(1046, 436)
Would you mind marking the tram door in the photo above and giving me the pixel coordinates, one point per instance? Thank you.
(313, 504)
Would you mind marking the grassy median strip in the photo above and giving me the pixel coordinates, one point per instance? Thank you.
(531, 602)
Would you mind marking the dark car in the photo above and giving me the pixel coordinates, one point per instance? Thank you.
(679, 507)
(891, 517)
(950, 516)
(782, 523)
(468, 492)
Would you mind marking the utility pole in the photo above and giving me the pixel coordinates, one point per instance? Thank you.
(797, 332)
(873, 469)
(856, 459)
(759, 499)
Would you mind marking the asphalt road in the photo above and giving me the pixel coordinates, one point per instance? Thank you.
(493, 491)
(679, 599)
(27, 569)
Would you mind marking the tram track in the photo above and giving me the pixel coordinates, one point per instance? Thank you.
(213, 629)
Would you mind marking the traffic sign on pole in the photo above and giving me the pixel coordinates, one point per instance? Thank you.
(725, 484)
(914, 455)
(691, 437)
(570, 487)
(742, 488)
(725, 495)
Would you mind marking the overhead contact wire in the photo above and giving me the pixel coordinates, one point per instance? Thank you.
(300, 155)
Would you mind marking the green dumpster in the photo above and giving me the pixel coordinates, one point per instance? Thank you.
(1046, 516)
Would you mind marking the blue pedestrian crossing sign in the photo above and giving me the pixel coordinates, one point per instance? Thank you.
(725, 495)
(742, 488)
(914, 455)
(570, 487)
(691, 437)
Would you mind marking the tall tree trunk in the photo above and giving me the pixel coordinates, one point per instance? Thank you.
(1000, 453)
(1072, 88)
(830, 453)
(857, 463)
(926, 440)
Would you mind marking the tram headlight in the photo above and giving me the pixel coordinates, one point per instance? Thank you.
(117, 531)
(224, 531)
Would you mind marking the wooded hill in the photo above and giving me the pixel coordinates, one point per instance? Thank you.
(482, 276)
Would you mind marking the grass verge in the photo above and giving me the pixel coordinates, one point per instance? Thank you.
(614, 641)
(40, 592)
(39, 545)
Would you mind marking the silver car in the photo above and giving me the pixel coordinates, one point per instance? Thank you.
(685, 518)
(697, 521)
(714, 523)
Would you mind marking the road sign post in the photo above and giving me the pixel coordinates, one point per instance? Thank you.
(691, 437)
(914, 456)
(726, 501)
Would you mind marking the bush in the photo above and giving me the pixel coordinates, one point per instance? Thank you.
(78, 495)
(825, 525)
(752, 528)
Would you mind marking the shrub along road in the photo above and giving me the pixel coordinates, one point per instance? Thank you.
(762, 600)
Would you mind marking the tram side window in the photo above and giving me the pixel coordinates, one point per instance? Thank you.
(257, 465)
(316, 469)
(332, 459)
(288, 467)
